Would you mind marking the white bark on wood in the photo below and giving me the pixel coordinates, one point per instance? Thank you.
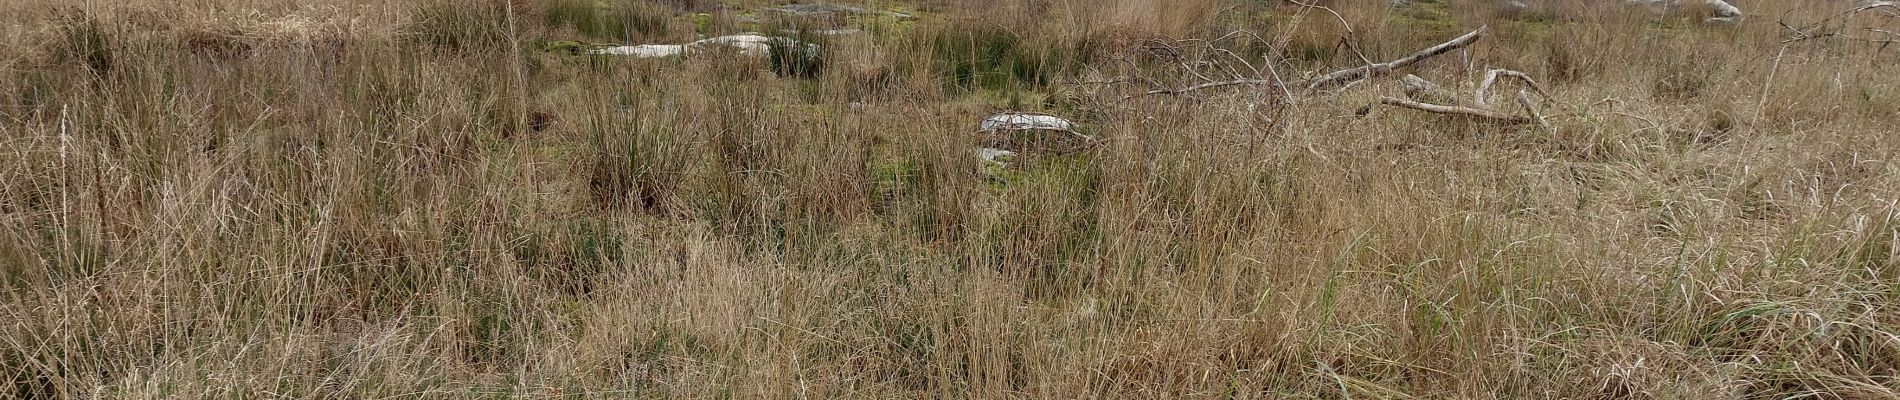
(1375, 70)
(1414, 85)
(1455, 110)
(1424, 91)
(1524, 99)
(1491, 77)
(1340, 77)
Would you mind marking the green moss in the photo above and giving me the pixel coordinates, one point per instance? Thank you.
(894, 174)
(1001, 174)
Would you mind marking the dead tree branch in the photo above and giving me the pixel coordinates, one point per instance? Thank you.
(1335, 78)
(1837, 25)
(1524, 99)
(1491, 77)
(1468, 112)
(1376, 70)
(1421, 90)
(1426, 96)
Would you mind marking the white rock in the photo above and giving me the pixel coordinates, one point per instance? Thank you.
(1414, 84)
(643, 51)
(823, 32)
(1720, 12)
(751, 44)
(1024, 121)
(748, 44)
(993, 155)
(1723, 12)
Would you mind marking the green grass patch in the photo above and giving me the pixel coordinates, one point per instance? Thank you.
(618, 21)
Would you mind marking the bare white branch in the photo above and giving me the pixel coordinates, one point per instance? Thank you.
(1468, 112)
(1375, 70)
(1491, 77)
(1524, 99)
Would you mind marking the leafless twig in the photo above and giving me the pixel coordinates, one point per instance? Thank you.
(1375, 70)
(1455, 110)
(1524, 99)
(1336, 78)
(1423, 93)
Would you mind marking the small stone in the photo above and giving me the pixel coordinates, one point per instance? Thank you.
(1030, 133)
(1720, 12)
(994, 155)
(642, 51)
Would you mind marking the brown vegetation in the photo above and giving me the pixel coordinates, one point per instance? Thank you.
(432, 199)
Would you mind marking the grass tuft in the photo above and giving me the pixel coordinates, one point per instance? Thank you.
(347, 199)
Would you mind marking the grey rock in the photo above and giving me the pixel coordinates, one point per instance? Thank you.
(994, 155)
(1011, 121)
(1018, 132)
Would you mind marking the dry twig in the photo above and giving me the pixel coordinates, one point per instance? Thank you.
(1420, 89)
(1524, 99)
(1375, 70)
(1335, 78)
(1455, 110)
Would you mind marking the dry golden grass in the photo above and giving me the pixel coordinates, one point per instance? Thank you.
(351, 199)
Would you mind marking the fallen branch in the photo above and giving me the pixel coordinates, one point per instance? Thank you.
(1375, 70)
(1208, 85)
(1524, 99)
(1335, 78)
(1414, 85)
(1421, 90)
(1836, 25)
(1280, 84)
(1455, 110)
(1491, 77)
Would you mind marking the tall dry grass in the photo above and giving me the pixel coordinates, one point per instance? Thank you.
(348, 199)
